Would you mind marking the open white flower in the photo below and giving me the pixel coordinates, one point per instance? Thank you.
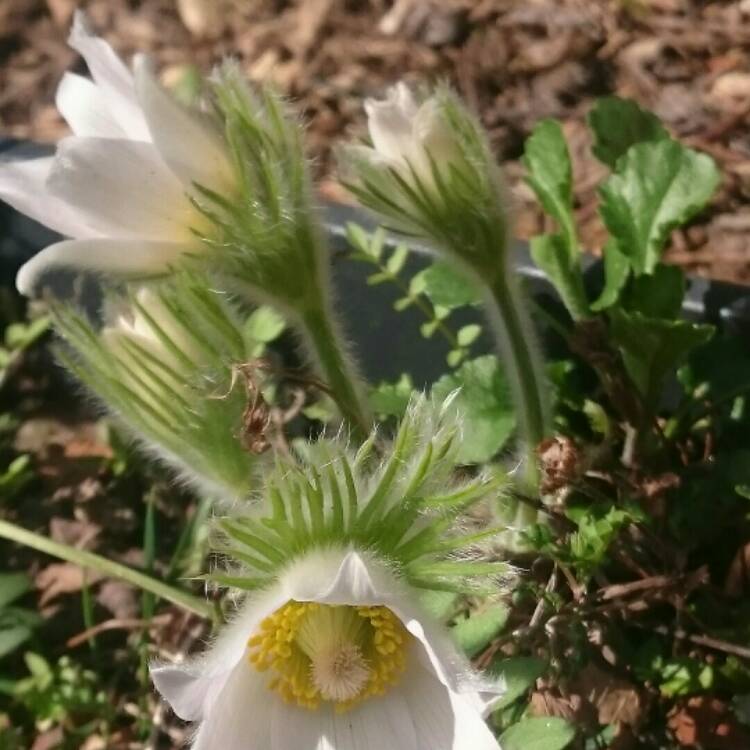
(118, 187)
(334, 656)
(330, 649)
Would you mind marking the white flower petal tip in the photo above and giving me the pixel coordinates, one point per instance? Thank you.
(413, 137)
(111, 76)
(399, 101)
(84, 107)
(130, 258)
(80, 29)
(390, 122)
(178, 685)
(23, 186)
(187, 139)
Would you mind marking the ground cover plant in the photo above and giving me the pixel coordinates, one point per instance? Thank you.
(545, 547)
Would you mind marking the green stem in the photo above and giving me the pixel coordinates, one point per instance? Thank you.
(106, 567)
(515, 334)
(337, 370)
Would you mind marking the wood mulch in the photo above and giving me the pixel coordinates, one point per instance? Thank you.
(515, 61)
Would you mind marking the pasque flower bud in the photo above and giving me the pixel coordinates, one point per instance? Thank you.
(163, 363)
(430, 173)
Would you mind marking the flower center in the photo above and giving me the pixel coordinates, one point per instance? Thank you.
(338, 654)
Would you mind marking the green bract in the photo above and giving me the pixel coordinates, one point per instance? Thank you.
(405, 507)
(270, 225)
(164, 366)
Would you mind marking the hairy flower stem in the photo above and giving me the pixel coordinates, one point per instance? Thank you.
(337, 369)
(516, 338)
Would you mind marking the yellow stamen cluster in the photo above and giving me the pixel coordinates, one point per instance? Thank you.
(317, 651)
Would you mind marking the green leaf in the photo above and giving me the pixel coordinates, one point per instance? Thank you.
(685, 676)
(551, 253)
(550, 175)
(446, 286)
(392, 398)
(468, 334)
(657, 187)
(651, 348)
(618, 124)
(38, 666)
(598, 419)
(369, 245)
(395, 263)
(107, 567)
(485, 403)
(518, 673)
(402, 303)
(538, 733)
(675, 675)
(616, 272)
(15, 477)
(428, 329)
(12, 587)
(22, 335)
(12, 637)
(657, 295)
(598, 525)
(455, 357)
(264, 325)
(474, 633)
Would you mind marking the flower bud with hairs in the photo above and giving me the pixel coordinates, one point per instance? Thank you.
(163, 364)
(430, 174)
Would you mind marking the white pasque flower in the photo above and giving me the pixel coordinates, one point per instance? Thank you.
(334, 656)
(118, 187)
(408, 136)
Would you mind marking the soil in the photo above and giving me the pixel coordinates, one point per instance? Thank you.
(514, 61)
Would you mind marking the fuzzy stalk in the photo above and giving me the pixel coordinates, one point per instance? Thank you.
(324, 339)
(516, 339)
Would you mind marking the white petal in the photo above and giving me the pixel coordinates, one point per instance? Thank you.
(192, 688)
(85, 108)
(241, 718)
(122, 257)
(22, 185)
(188, 141)
(298, 728)
(434, 136)
(184, 688)
(112, 76)
(122, 188)
(390, 122)
(376, 724)
(444, 720)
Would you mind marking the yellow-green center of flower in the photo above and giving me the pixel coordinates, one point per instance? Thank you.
(328, 653)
